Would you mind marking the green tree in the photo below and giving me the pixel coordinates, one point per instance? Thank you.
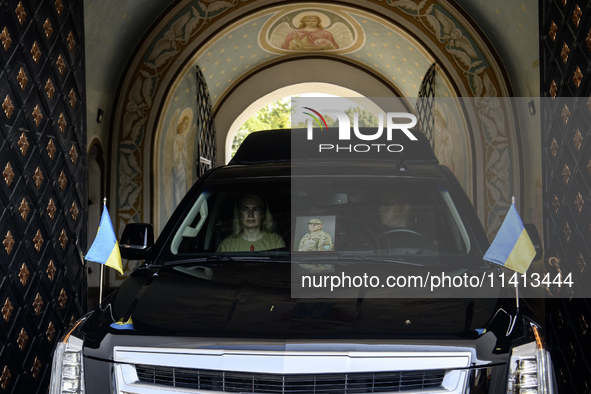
(276, 115)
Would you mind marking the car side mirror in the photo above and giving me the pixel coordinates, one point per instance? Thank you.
(136, 241)
(532, 231)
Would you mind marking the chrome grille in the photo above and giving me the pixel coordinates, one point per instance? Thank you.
(228, 381)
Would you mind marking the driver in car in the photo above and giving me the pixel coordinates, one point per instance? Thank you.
(394, 212)
(400, 222)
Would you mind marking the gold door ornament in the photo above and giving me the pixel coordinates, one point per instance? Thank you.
(8, 242)
(5, 38)
(8, 174)
(7, 106)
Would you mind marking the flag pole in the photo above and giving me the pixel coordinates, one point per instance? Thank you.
(517, 296)
(102, 267)
(510, 329)
(101, 288)
(517, 281)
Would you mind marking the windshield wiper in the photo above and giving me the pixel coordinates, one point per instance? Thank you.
(341, 258)
(217, 258)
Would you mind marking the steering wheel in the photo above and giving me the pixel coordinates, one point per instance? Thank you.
(402, 231)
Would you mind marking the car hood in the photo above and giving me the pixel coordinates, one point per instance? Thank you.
(228, 300)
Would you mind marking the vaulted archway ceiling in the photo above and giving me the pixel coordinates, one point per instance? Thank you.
(113, 29)
(364, 39)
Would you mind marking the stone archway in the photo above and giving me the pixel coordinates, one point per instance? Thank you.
(272, 81)
(192, 33)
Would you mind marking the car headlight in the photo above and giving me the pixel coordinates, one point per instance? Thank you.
(530, 368)
(67, 370)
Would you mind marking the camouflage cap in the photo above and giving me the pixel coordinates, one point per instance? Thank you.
(316, 221)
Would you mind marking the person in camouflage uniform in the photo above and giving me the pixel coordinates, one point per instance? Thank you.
(317, 239)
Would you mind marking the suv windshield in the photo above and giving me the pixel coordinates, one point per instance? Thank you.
(316, 216)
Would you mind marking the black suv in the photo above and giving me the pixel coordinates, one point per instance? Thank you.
(345, 311)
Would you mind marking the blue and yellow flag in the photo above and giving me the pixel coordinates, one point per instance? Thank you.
(121, 325)
(105, 248)
(512, 246)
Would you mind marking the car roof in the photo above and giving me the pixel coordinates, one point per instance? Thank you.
(291, 145)
(328, 169)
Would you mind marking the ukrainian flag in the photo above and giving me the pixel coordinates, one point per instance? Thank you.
(105, 248)
(512, 246)
(121, 325)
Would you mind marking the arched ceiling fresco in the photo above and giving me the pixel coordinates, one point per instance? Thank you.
(114, 28)
(374, 44)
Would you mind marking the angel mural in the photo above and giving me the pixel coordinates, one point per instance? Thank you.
(314, 32)
(177, 173)
(166, 47)
(181, 156)
(458, 45)
(310, 35)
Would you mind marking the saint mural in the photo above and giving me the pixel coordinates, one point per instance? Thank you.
(177, 167)
(311, 31)
(181, 156)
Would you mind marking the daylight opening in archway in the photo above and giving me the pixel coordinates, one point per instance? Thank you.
(275, 115)
(273, 111)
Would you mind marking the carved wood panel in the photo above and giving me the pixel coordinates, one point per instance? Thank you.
(43, 201)
(565, 55)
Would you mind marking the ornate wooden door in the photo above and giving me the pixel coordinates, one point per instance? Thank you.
(565, 55)
(43, 201)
